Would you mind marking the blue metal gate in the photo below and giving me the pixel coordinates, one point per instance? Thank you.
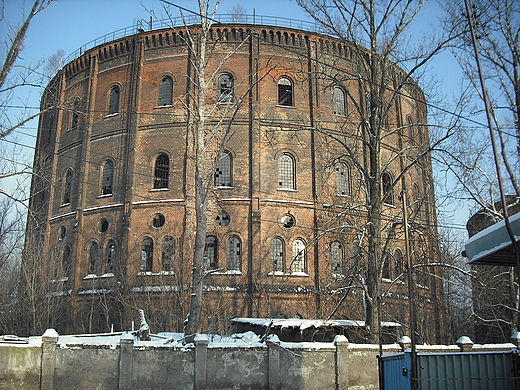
(453, 371)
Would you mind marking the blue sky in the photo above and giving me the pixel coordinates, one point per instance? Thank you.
(68, 24)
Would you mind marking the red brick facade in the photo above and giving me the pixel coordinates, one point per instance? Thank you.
(285, 169)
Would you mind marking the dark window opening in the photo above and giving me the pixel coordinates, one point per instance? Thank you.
(210, 252)
(113, 103)
(225, 88)
(158, 220)
(67, 187)
(103, 226)
(108, 178)
(387, 189)
(166, 92)
(162, 172)
(285, 92)
(234, 254)
(147, 255)
(93, 258)
(168, 254)
(111, 256)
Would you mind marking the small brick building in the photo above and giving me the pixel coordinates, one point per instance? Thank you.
(284, 232)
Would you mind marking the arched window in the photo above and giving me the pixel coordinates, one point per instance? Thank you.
(416, 201)
(108, 178)
(161, 171)
(111, 257)
(398, 261)
(354, 259)
(277, 255)
(234, 253)
(336, 257)
(93, 258)
(385, 272)
(285, 92)
(286, 172)
(343, 179)
(67, 186)
(224, 170)
(147, 255)
(165, 92)
(168, 253)
(387, 189)
(113, 101)
(210, 252)
(340, 106)
(65, 262)
(48, 127)
(225, 88)
(411, 129)
(75, 114)
(298, 256)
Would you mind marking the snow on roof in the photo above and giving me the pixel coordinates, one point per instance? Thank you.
(492, 239)
(304, 323)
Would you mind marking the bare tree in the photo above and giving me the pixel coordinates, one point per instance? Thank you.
(239, 13)
(379, 37)
(470, 160)
(209, 130)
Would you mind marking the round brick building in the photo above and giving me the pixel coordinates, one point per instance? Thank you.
(285, 235)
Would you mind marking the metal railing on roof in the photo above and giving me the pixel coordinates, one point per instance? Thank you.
(142, 24)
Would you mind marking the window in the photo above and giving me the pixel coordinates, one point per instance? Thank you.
(277, 255)
(65, 262)
(108, 178)
(111, 257)
(223, 219)
(48, 127)
(287, 221)
(336, 257)
(93, 258)
(147, 255)
(165, 92)
(286, 172)
(234, 253)
(398, 260)
(67, 187)
(168, 253)
(75, 115)
(343, 179)
(385, 272)
(162, 171)
(298, 258)
(210, 252)
(285, 92)
(411, 129)
(225, 88)
(223, 172)
(338, 96)
(103, 226)
(416, 198)
(387, 189)
(62, 232)
(158, 220)
(113, 101)
(354, 259)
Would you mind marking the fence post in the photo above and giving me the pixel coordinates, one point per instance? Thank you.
(273, 351)
(49, 341)
(126, 361)
(341, 360)
(201, 358)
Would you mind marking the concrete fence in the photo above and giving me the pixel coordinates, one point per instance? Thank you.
(122, 362)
